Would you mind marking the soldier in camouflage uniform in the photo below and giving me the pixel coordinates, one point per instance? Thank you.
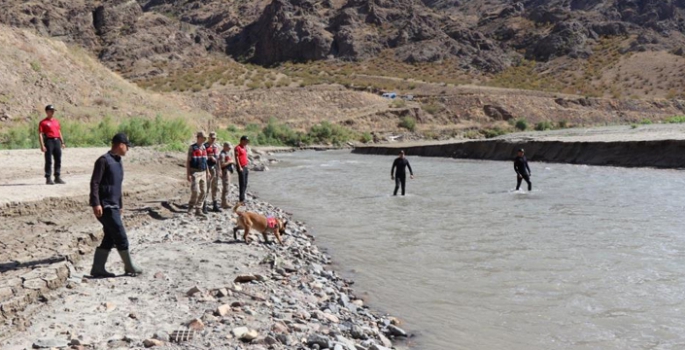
(213, 166)
(226, 169)
(198, 174)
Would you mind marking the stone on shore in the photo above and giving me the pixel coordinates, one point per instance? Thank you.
(223, 310)
(239, 331)
(249, 336)
(196, 324)
(148, 343)
(47, 343)
(320, 340)
(245, 278)
(193, 291)
(396, 331)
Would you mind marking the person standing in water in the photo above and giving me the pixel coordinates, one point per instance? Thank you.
(522, 170)
(399, 174)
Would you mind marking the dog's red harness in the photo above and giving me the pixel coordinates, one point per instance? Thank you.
(271, 222)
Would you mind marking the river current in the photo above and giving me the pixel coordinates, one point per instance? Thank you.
(593, 258)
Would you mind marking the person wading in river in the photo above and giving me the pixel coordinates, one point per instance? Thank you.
(399, 174)
(522, 170)
(106, 199)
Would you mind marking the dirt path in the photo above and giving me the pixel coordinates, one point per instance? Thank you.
(46, 229)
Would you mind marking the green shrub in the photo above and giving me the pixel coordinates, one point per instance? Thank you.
(366, 137)
(544, 125)
(678, 119)
(645, 121)
(521, 124)
(563, 124)
(408, 123)
(494, 132)
(633, 126)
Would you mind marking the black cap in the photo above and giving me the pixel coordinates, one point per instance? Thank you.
(49, 108)
(121, 138)
(521, 150)
(244, 137)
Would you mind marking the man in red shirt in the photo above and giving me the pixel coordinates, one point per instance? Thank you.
(241, 162)
(51, 143)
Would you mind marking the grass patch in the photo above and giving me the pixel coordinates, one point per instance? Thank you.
(678, 119)
(521, 124)
(544, 125)
(408, 123)
(646, 121)
(141, 132)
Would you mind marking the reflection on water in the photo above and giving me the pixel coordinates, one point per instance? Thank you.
(593, 258)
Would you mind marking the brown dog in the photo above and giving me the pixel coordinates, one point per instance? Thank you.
(248, 221)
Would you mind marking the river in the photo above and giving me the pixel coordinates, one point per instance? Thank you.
(593, 258)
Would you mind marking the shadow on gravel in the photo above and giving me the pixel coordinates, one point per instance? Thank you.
(16, 185)
(4, 267)
(172, 208)
(233, 241)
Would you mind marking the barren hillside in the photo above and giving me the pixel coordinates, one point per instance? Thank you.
(36, 71)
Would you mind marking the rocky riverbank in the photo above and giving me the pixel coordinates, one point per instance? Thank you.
(202, 289)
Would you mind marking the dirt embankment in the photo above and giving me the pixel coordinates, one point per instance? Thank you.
(610, 147)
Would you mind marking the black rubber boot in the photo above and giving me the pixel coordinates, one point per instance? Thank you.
(204, 208)
(48, 181)
(99, 262)
(215, 208)
(129, 267)
(59, 181)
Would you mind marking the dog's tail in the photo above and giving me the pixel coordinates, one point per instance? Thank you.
(236, 206)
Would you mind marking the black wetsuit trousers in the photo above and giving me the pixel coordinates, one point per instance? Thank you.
(519, 179)
(242, 183)
(115, 233)
(53, 149)
(400, 180)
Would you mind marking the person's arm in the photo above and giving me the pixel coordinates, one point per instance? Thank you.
(190, 154)
(40, 138)
(95, 179)
(61, 139)
(410, 171)
(516, 169)
(237, 160)
(527, 167)
(392, 170)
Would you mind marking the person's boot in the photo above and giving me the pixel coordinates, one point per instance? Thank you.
(204, 208)
(129, 267)
(224, 204)
(99, 261)
(48, 181)
(198, 212)
(59, 181)
(215, 207)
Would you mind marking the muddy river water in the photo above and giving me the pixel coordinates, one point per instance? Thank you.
(593, 258)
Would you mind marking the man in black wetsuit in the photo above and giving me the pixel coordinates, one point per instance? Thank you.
(400, 175)
(522, 170)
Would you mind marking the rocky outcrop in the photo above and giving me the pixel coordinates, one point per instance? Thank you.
(288, 30)
(148, 37)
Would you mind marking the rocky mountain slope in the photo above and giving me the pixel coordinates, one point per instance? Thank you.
(146, 37)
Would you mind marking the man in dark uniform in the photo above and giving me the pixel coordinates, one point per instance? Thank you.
(522, 170)
(399, 174)
(106, 199)
(51, 143)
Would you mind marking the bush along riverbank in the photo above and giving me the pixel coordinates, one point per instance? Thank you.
(202, 289)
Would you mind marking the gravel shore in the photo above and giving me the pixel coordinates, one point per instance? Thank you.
(201, 289)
